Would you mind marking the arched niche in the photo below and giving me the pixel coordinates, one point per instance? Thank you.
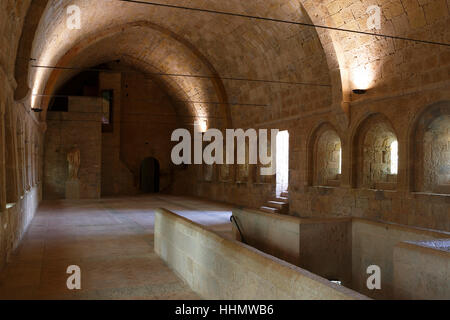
(375, 158)
(430, 150)
(325, 160)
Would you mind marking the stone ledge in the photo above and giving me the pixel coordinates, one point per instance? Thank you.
(243, 260)
(439, 246)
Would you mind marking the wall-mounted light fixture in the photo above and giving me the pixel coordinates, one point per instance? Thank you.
(359, 91)
(36, 109)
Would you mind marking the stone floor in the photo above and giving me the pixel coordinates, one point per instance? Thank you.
(112, 242)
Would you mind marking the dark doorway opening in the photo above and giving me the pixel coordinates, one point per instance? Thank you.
(149, 177)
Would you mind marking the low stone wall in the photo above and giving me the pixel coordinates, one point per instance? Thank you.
(373, 244)
(419, 263)
(274, 234)
(325, 248)
(335, 248)
(217, 268)
(322, 246)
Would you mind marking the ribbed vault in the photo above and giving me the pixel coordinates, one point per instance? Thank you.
(228, 46)
(175, 41)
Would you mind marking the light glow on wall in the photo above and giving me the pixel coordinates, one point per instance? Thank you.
(340, 161)
(201, 124)
(362, 78)
(34, 93)
(394, 157)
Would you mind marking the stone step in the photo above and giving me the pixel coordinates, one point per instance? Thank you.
(276, 204)
(280, 199)
(269, 209)
(285, 194)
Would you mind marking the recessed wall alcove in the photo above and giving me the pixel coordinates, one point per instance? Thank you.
(325, 157)
(430, 150)
(375, 154)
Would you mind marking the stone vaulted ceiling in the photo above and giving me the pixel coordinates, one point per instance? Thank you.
(167, 40)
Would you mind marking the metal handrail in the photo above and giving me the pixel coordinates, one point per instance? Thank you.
(234, 219)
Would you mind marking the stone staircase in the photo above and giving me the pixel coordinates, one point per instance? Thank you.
(279, 205)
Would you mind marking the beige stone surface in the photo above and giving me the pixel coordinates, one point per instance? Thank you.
(117, 178)
(112, 242)
(79, 128)
(407, 85)
(421, 271)
(219, 268)
(342, 249)
(374, 243)
(15, 220)
(274, 234)
(20, 154)
(72, 190)
(322, 246)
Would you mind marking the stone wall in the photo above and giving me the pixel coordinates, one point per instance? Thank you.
(148, 119)
(274, 234)
(342, 249)
(326, 159)
(393, 198)
(373, 243)
(404, 79)
(373, 154)
(14, 222)
(436, 156)
(218, 268)
(21, 157)
(322, 246)
(116, 176)
(143, 121)
(79, 128)
(433, 270)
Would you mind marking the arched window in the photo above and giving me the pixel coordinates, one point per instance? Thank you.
(376, 154)
(326, 161)
(431, 150)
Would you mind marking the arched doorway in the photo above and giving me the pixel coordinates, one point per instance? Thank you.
(149, 175)
(282, 154)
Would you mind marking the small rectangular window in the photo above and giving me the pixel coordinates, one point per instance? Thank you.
(394, 157)
(107, 110)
